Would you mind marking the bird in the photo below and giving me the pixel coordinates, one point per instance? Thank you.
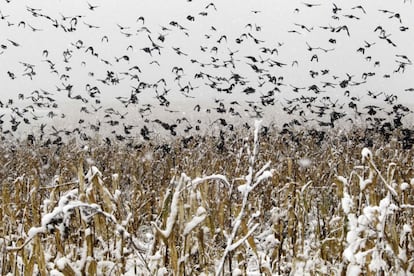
(92, 7)
(90, 26)
(15, 44)
(303, 27)
(360, 8)
(310, 5)
(184, 59)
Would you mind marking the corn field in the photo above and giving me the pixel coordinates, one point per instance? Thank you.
(248, 203)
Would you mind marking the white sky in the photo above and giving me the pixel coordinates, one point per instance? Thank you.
(276, 19)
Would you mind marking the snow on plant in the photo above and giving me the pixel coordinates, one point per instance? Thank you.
(60, 223)
(372, 244)
(235, 209)
(250, 183)
(187, 227)
(196, 221)
(180, 226)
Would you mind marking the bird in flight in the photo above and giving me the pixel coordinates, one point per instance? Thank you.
(92, 7)
(309, 5)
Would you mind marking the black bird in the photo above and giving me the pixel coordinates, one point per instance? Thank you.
(314, 57)
(15, 44)
(211, 5)
(303, 27)
(92, 7)
(341, 28)
(34, 29)
(359, 7)
(2, 16)
(141, 19)
(335, 8)
(91, 26)
(309, 5)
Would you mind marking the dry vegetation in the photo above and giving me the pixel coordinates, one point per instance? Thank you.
(209, 205)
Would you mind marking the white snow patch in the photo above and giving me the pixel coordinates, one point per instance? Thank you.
(347, 203)
(305, 162)
(199, 218)
(405, 186)
(366, 154)
(363, 183)
(92, 172)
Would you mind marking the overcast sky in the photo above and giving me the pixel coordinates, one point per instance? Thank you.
(288, 26)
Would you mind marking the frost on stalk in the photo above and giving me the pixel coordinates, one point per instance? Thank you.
(220, 177)
(93, 171)
(369, 228)
(252, 179)
(171, 220)
(347, 203)
(363, 183)
(366, 154)
(404, 186)
(61, 215)
(96, 185)
(197, 220)
(115, 177)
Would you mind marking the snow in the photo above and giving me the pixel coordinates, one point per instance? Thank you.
(257, 124)
(366, 154)
(92, 172)
(162, 271)
(263, 176)
(220, 177)
(406, 229)
(171, 220)
(237, 272)
(377, 264)
(304, 162)
(343, 180)
(361, 226)
(197, 220)
(347, 203)
(35, 230)
(117, 195)
(55, 272)
(148, 156)
(244, 188)
(61, 262)
(353, 270)
(115, 177)
(363, 183)
(405, 186)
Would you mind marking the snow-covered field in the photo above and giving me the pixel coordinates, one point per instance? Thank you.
(250, 204)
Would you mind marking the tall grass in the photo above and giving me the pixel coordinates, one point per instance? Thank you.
(266, 203)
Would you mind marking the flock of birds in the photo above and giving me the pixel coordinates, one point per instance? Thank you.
(172, 79)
